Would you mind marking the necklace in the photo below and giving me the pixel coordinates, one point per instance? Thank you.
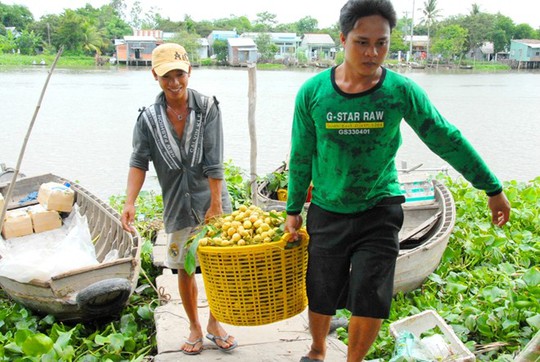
(178, 116)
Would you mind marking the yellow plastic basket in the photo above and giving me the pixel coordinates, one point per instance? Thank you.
(256, 284)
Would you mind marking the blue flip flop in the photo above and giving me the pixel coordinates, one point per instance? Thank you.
(224, 339)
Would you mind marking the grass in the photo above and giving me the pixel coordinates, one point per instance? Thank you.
(64, 61)
(13, 60)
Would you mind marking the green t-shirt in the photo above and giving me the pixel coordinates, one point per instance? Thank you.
(346, 144)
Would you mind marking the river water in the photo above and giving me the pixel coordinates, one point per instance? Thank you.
(84, 125)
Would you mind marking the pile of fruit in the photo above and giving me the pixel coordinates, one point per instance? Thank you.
(249, 225)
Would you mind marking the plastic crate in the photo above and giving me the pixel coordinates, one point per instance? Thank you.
(256, 284)
(426, 321)
(417, 188)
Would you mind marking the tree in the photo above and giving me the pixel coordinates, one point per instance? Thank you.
(265, 22)
(307, 24)
(524, 31)
(239, 23)
(396, 42)
(333, 31)
(69, 32)
(267, 49)
(450, 41)
(119, 7)
(503, 32)
(167, 25)
(108, 26)
(203, 28)
(135, 15)
(478, 25)
(45, 28)
(285, 28)
(221, 50)
(15, 15)
(403, 25)
(151, 19)
(475, 9)
(28, 42)
(93, 41)
(431, 13)
(8, 43)
(109, 19)
(190, 42)
(116, 28)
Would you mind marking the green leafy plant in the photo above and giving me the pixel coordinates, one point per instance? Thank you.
(486, 287)
(237, 185)
(26, 336)
(276, 180)
(149, 212)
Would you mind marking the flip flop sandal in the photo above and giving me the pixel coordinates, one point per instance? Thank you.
(307, 359)
(193, 344)
(224, 339)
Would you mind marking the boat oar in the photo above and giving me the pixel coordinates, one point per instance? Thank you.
(7, 196)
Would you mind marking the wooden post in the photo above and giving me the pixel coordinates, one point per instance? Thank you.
(252, 96)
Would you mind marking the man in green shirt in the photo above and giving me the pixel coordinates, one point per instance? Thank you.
(345, 136)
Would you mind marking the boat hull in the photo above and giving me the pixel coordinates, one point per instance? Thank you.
(414, 265)
(86, 293)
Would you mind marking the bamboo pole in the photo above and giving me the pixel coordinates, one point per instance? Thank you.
(252, 96)
(7, 197)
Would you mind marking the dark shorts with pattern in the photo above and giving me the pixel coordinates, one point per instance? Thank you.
(352, 259)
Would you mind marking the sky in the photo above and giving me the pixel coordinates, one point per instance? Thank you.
(287, 11)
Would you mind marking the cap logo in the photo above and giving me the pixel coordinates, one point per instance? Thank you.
(183, 56)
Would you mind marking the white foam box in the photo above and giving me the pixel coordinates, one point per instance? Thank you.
(17, 223)
(427, 321)
(1, 202)
(43, 219)
(55, 196)
(417, 188)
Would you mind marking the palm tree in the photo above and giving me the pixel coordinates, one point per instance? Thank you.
(431, 13)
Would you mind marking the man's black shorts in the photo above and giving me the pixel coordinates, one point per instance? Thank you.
(352, 260)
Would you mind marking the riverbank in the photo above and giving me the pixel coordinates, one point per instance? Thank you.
(435, 66)
(47, 59)
(71, 61)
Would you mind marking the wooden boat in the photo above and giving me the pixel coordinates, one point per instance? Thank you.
(414, 65)
(6, 173)
(87, 293)
(423, 238)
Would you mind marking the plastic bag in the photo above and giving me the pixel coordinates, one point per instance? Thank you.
(436, 347)
(409, 349)
(44, 255)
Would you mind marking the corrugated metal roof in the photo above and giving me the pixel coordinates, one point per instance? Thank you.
(241, 42)
(324, 39)
(139, 38)
(533, 43)
(276, 37)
